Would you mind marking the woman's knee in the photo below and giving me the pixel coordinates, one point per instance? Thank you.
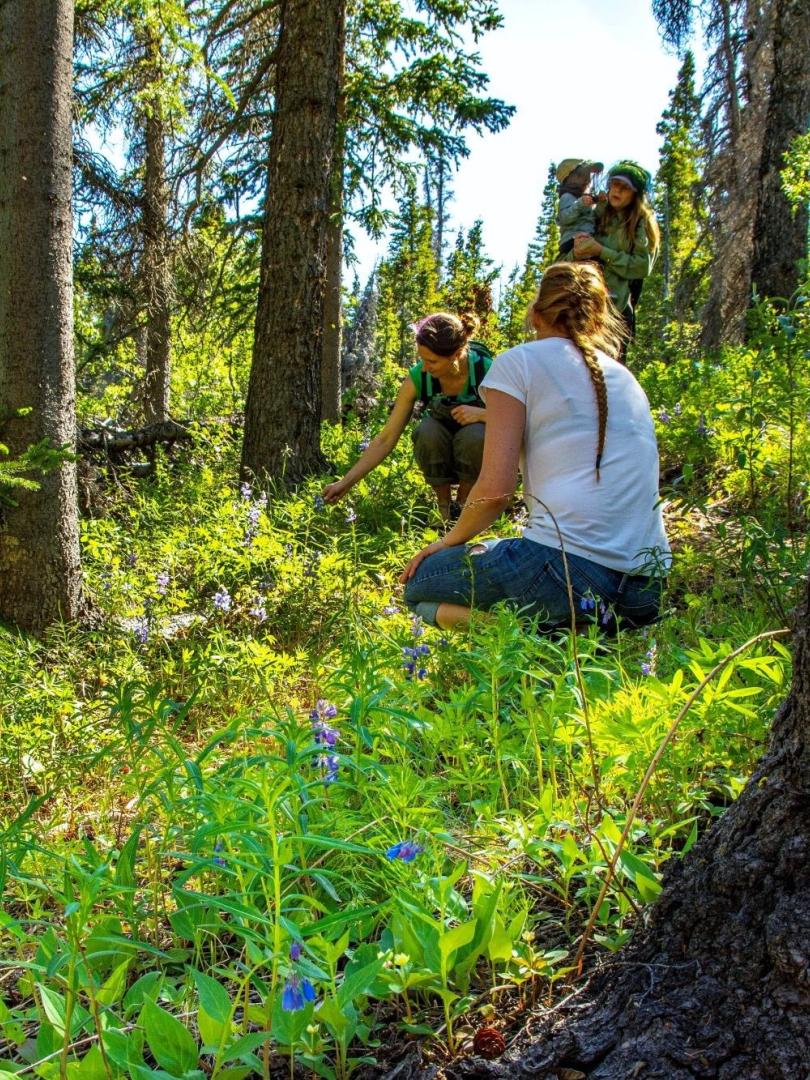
(468, 451)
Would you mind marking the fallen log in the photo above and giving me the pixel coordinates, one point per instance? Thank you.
(113, 441)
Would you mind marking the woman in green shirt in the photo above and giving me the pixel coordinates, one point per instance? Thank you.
(449, 440)
(626, 239)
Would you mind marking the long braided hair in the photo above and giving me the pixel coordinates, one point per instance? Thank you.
(573, 297)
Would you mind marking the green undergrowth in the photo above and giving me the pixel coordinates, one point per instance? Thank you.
(186, 851)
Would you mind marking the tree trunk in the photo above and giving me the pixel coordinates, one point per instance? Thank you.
(780, 236)
(332, 324)
(40, 569)
(155, 276)
(283, 410)
(718, 985)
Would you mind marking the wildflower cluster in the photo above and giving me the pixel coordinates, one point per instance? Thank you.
(298, 990)
(254, 512)
(412, 654)
(258, 611)
(222, 599)
(650, 663)
(406, 850)
(141, 629)
(594, 604)
(162, 582)
(326, 736)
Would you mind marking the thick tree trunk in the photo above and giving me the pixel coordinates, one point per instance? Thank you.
(718, 985)
(331, 387)
(734, 174)
(780, 236)
(155, 274)
(40, 570)
(283, 410)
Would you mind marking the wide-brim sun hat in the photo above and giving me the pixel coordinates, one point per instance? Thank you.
(568, 165)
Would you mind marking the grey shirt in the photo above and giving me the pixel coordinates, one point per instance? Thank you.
(573, 217)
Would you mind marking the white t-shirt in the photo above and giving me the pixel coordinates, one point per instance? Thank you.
(616, 521)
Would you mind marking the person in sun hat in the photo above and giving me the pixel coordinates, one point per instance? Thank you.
(577, 207)
(626, 238)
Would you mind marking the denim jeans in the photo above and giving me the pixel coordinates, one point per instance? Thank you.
(445, 456)
(531, 578)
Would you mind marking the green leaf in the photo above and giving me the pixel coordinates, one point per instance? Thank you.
(214, 1015)
(246, 1045)
(170, 1042)
(114, 986)
(645, 880)
(358, 983)
(452, 940)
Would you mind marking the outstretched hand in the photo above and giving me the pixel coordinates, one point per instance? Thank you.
(410, 569)
(333, 492)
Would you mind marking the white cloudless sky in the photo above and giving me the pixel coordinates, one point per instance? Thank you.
(587, 78)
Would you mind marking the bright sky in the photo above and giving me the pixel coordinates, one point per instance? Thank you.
(587, 79)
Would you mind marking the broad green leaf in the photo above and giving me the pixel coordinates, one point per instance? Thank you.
(170, 1042)
(113, 988)
(214, 1015)
(451, 940)
(358, 983)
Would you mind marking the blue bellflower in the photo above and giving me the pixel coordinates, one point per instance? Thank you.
(406, 850)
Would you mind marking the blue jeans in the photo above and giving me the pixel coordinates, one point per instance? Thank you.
(531, 577)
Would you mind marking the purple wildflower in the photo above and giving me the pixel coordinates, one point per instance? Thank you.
(677, 408)
(222, 599)
(132, 559)
(318, 503)
(295, 951)
(587, 603)
(663, 416)
(297, 992)
(390, 609)
(245, 490)
(258, 611)
(646, 669)
(162, 582)
(141, 629)
(364, 444)
(218, 859)
(351, 517)
(406, 850)
(416, 626)
(649, 664)
(330, 763)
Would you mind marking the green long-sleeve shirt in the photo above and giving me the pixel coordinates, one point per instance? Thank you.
(619, 263)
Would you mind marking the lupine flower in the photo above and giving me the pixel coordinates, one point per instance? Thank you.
(245, 490)
(141, 629)
(218, 859)
(132, 559)
(258, 611)
(703, 429)
(663, 416)
(324, 734)
(364, 444)
(330, 763)
(351, 517)
(324, 710)
(318, 502)
(649, 664)
(410, 654)
(222, 599)
(162, 582)
(297, 992)
(295, 951)
(406, 850)
(416, 626)
(390, 609)
(677, 408)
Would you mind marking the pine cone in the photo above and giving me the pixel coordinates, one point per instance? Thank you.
(488, 1042)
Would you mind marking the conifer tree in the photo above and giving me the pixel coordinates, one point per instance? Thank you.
(470, 277)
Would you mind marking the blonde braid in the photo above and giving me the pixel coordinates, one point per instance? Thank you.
(599, 387)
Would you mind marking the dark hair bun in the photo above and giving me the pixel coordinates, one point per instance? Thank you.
(470, 321)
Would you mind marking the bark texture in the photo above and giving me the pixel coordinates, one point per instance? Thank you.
(718, 985)
(155, 272)
(780, 236)
(40, 572)
(283, 410)
(331, 388)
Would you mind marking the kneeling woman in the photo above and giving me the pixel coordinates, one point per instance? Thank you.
(580, 426)
(449, 441)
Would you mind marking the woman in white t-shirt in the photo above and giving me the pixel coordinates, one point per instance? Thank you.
(579, 426)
